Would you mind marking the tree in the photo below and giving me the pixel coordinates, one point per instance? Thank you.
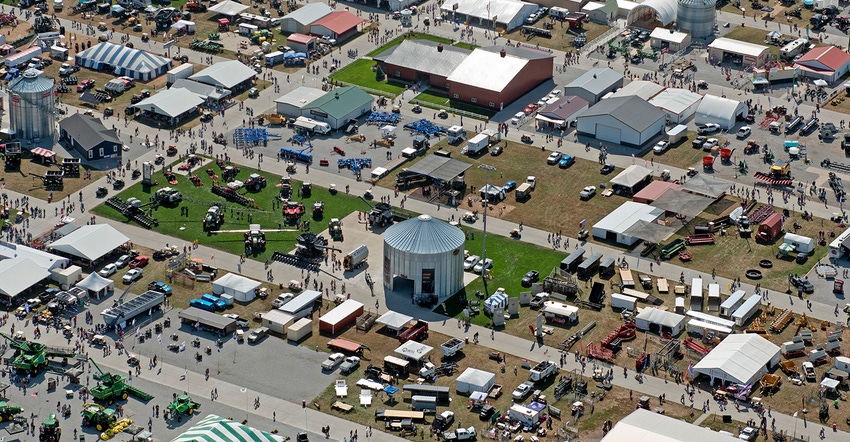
(380, 75)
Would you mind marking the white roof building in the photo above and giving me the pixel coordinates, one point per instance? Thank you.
(241, 288)
(47, 261)
(639, 88)
(723, 111)
(669, 36)
(18, 275)
(469, 72)
(90, 243)
(229, 8)
(299, 20)
(473, 379)
(750, 54)
(291, 104)
(739, 358)
(663, 10)
(171, 103)
(678, 104)
(508, 13)
(594, 84)
(617, 222)
(655, 320)
(631, 177)
(227, 74)
(647, 426)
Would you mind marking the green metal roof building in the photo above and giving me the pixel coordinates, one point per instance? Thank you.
(339, 106)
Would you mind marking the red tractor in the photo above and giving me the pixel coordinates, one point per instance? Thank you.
(292, 212)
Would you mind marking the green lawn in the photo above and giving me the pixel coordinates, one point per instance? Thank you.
(408, 36)
(439, 100)
(360, 73)
(198, 199)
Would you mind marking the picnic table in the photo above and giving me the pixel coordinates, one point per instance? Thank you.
(342, 406)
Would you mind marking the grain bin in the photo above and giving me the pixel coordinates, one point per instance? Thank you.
(31, 106)
(696, 17)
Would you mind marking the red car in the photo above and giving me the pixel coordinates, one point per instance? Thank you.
(85, 84)
(530, 109)
(139, 261)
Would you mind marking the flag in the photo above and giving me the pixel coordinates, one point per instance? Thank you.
(27, 307)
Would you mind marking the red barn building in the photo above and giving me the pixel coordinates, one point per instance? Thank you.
(489, 77)
(339, 25)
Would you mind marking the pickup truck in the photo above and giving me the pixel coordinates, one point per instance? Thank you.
(538, 300)
(461, 434)
(257, 334)
(443, 420)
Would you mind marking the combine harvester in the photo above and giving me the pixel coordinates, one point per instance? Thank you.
(112, 386)
(33, 357)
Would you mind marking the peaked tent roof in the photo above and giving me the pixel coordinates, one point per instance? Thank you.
(227, 74)
(684, 203)
(20, 274)
(824, 58)
(649, 231)
(394, 320)
(228, 7)
(90, 242)
(339, 22)
(95, 282)
(739, 356)
(237, 282)
(204, 90)
(218, 429)
(440, 168)
(123, 57)
(705, 185)
(631, 176)
(88, 131)
(44, 259)
(633, 111)
(648, 426)
(171, 102)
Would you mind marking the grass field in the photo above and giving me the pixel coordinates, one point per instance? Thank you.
(756, 36)
(267, 213)
(21, 181)
(438, 100)
(561, 40)
(360, 73)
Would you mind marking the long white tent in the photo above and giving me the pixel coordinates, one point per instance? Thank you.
(90, 242)
(218, 429)
(133, 63)
(739, 358)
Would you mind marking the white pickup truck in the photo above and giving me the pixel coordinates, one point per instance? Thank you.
(461, 434)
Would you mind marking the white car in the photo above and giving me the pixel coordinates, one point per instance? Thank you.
(108, 269)
(710, 143)
(744, 132)
(555, 93)
(132, 275)
(708, 128)
(554, 157)
(587, 193)
(486, 264)
(327, 40)
(522, 391)
(518, 117)
(470, 262)
(749, 433)
(660, 147)
(332, 361)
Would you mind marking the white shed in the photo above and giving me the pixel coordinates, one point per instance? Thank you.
(241, 288)
(301, 329)
(802, 244)
(679, 104)
(655, 320)
(277, 321)
(66, 277)
(473, 379)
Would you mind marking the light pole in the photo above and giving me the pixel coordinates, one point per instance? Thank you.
(487, 169)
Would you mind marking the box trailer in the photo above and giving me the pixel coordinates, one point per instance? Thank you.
(801, 244)
(185, 70)
(606, 268)
(770, 228)
(713, 298)
(475, 145)
(732, 303)
(837, 249)
(588, 268)
(304, 304)
(442, 394)
(452, 346)
(571, 262)
(147, 301)
(336, 320)
(746, 310)
(397, 367)
(274, 58)
(696, 294)
(623, 302)
(423, 403)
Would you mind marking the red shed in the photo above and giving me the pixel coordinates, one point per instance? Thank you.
(336, 320)
(770, 228)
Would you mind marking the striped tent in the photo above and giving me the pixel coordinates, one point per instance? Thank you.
(218, 429)
(133, 63)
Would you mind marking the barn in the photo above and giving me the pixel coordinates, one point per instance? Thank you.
(629, 121)
(594, 84)
(423, 61)
(828, 63)
(339, 25)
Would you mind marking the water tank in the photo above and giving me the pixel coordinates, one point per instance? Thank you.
(31, 107)
(696, 17)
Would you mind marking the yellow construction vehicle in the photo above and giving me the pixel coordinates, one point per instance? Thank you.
(273, 119)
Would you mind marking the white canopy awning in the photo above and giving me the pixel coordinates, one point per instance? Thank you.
(394, 320)
(413, 350)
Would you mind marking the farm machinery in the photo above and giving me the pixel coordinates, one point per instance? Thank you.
(182, 404)
(292, 212)
(98, 416)
(49, 430)
(335, 229)
(309, 250)
(111, 386)
(7, 411)
(213, 219)
(779, 174)
(318, 210)
(33, 357)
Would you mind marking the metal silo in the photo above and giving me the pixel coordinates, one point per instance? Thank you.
(31, 107)
(696, 17)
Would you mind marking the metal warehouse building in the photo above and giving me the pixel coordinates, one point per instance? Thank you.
(424, 255)
(291, 104)
(626, 120)
(507, 14)
(594, 84)
(338, 106)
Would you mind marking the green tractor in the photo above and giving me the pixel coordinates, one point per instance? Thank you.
(112, 386)
(50, 431)
(31, 357)
(99, 417)
(182, 404)
(7, 411)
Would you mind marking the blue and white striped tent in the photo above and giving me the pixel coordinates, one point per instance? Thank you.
(133, 63)
(218, 429)
(496, 300)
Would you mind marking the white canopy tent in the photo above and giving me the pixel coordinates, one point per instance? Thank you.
(18, 275)
(90, 242)
(723, 111)
(394, 321)
(96, 285)
(229, 8)
(241, 288)
(739, 358)
(413, 350)
(473, 379)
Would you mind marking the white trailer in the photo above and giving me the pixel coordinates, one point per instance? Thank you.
(713, 297)
(147, 301)
(792, 347)
(732, 303)
(475, 145)
(185, 70)
(696, 294)
(355, 258)
(746, 310)
(839, 246)
(452, 346)
(623, 302)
